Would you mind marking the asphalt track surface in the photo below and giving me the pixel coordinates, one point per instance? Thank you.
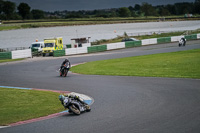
(121, 103)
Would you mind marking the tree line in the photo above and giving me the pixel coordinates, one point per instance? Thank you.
(9, 11)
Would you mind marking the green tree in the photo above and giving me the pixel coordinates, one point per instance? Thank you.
(24, 10)
(197, 6)
(8, 9)
(1, 6)
(37, 14)
(148, 9)
(137, 7)
(124, 12)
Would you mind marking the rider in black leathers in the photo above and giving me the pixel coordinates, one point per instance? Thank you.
(65, 63)
(62, 99)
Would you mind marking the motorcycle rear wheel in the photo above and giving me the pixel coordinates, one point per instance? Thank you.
(74, 110)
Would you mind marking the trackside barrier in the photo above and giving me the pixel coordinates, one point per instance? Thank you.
(81, 50)
(149, 41)
(98, 48)
(198, 36)
(191, 37)
(21, 54)
(5, 55)
(133, 44)
(70, 51)
(115, 45)
(58, 53)
(164, 40)
(176, 38)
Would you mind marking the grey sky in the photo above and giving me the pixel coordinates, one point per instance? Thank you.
(75, 5)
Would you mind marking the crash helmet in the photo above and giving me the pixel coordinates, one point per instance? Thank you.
(61, 97)
(66, 60)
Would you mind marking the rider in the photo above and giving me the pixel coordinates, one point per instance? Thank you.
(62, 98)
(67, 63)
(182, 41)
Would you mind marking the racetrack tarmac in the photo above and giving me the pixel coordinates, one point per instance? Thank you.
(121, 103)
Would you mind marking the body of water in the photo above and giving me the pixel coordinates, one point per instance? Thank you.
(24, 37)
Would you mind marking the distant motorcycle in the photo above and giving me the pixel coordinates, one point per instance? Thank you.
(182, 42)
(64, 70)
(76, 106)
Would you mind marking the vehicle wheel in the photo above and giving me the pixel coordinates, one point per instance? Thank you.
(43, 54)
(179, 44)
(65, 73)
(61, 74)
(74, 110)
(88, 109)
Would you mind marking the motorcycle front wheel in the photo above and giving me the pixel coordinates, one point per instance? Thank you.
(75, 110)
(87, 107)
(65, 73)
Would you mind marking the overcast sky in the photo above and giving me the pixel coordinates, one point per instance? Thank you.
(75, 5)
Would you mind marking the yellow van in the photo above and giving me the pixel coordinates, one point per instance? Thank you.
(51, 45)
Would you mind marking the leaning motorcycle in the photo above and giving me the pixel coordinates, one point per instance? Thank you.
(64, 70)
(182, 42)
(76, 106)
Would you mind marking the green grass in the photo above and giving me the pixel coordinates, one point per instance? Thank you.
(21, 24)
(18, 105)
(183, 64)
(9, 60)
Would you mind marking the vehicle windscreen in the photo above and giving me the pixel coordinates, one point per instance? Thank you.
(49, 44)
(35, 45)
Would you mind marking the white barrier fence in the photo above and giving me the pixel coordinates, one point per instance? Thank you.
(115, 45)
(149, 41)
(176, 38)
(72, 51)
(198, 36)
(21, 54)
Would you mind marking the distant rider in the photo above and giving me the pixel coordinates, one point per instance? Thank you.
(67, 63)
(182, 41)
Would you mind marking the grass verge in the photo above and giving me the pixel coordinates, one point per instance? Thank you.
(183, 64)
(18, 105)
(9, 60)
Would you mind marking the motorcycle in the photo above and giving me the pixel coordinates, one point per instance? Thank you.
(182, 42)
(75, 106)
(64, 70)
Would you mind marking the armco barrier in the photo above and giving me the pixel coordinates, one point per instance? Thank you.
(115, 45)
(164, 39)
(92, 49)
(21, 54)
(5, 55)
(149, 41)
(198, 36)
(58, 53)
(130, 44)
(70, 51)
(81, 50)
(176, 38)
(101, 48)
(191, 37)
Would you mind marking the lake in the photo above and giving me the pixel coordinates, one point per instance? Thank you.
(24, 37)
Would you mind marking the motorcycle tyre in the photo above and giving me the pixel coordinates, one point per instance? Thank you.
(87, 107)
(74, 110)
(65, 73)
